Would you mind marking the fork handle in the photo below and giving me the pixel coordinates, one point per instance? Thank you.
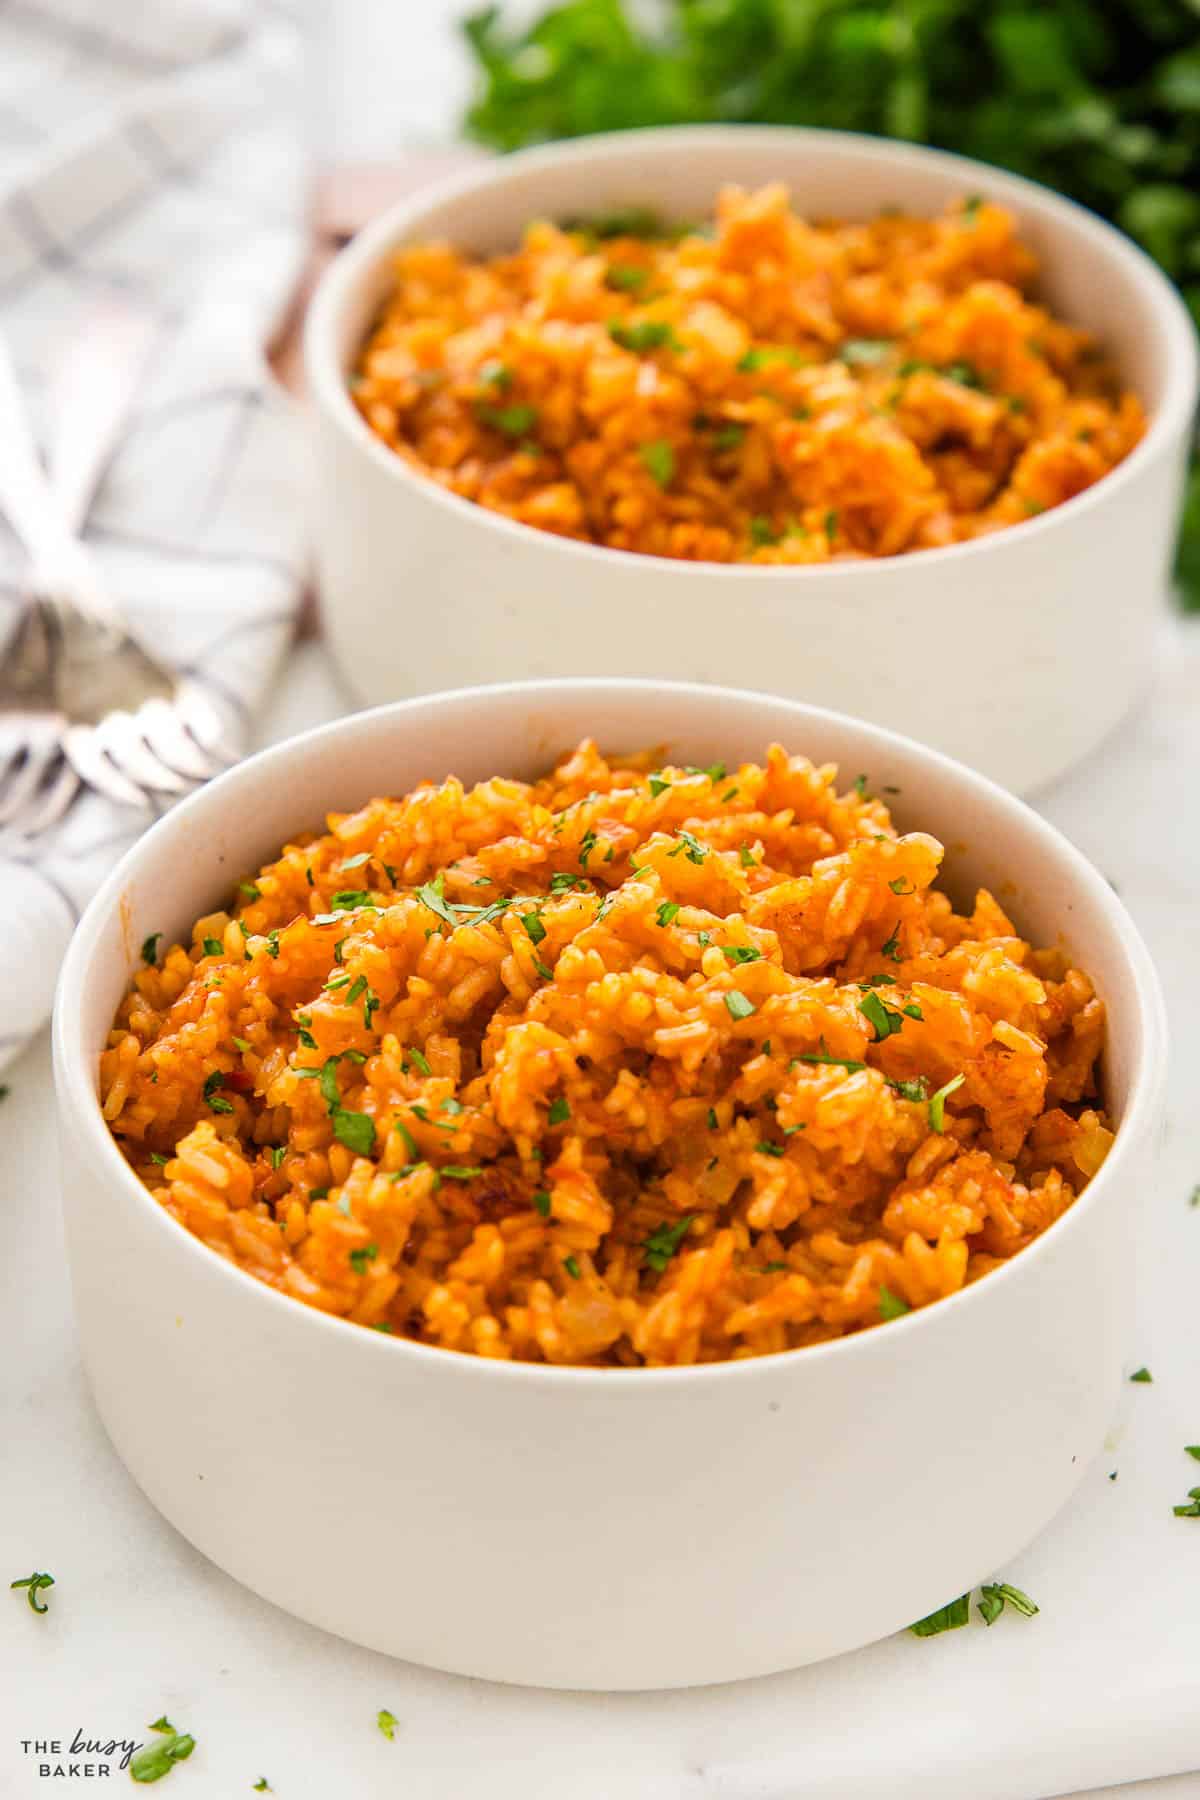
(29, 503)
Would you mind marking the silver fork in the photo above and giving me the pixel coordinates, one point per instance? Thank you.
(83, 702)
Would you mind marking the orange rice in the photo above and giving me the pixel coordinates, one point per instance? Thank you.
(770, 391)
(624, 1067)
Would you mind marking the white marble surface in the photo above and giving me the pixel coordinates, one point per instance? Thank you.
(140, 1623)
(1103, 1682)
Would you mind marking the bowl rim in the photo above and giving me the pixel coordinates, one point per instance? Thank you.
(339, 285)
(79, 1106)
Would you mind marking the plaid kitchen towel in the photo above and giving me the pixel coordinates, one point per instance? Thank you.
(152, 150)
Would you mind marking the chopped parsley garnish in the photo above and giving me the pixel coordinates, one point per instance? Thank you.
(1192, 1510)
(417, 1059)
(831, 524)
(864, 353)
(883, 1018)
(360, 1258)
(658, 785)
(213, 947)
(153, 1761)
(33, 1585)
(433, 895)
(762, 531)
(387, 1723)
(902, 886)
(741, 953)
(460, 1171)
(564, 881)
(1192, 1450)
(659, 458)
(766, 1148)
(150, 948)
(216, 1100)
(860, 786)
(663, 1242)
(737, 1005)
(879, 980)
(626, 278)
(644, 334)
(157, 1157)
(542, 969)
(358, 986)
(496, 375)
(347, 899)
(891, 1306)
(408, 1140)
(513, 421)
(354, 1129)
(571, 1266)
(534, 928)
(690, 847)
(891, 949)
(1141, 1375)
(745, 856)
(273, 944)
(667, 911)
(251, 890)
(713, 1122)
(842, 1062)
(559, 1112)
(728, 436)
(262, 1785)
(278, 1152)
(587, 844)
(994, 1596)
(916, 1089)
(937, 1103)
(946, 1618)
(541, 1203)
(761, 354)
(240, 1044)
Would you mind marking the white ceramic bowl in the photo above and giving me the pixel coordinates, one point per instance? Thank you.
(1017, 652)
(598, 1528)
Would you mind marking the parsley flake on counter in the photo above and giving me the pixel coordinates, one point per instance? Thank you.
(1192, 1509)
(262, 1785)
(1141, 1375)
(33, 1585)
(946, 1618)
(153, 1761)
(387, 1723)
(994, 1596)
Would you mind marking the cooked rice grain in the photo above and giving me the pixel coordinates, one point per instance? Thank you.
(629, 1066)
(773, 391)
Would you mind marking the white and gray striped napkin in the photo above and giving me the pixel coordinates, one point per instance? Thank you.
(154, 149)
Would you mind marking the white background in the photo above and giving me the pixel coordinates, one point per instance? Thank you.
(139, 1623)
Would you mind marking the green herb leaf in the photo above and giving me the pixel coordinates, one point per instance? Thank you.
(559, 1112)
(512, 421)
(459, 1171)
(155, 1760)
(645, 334)
(659, 458)
(741, 953)
(418, 1060)
(387, 1723)
(946, 1618)
(354, 1129)
(350, 899)
(359, 1259)
(737, 1005)
(33, 1585)
(213, 947)
(251, 890)
(1141, 1375)
(571, 1266)
(865, 353)
(891, 1306)
(667, 911)
(937, 1103)
(534, 928)
(541, 1202)
(664, 1241)
(150, 948)
(626, 278)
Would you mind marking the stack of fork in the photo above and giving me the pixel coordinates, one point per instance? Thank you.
(84, 703)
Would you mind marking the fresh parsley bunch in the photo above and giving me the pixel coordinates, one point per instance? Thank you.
(1097, 98)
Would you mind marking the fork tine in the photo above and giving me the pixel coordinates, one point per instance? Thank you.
(205, 723)
(169, 739)
(121, 738)
(50, 803)
(27, 769)
(82, 746)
